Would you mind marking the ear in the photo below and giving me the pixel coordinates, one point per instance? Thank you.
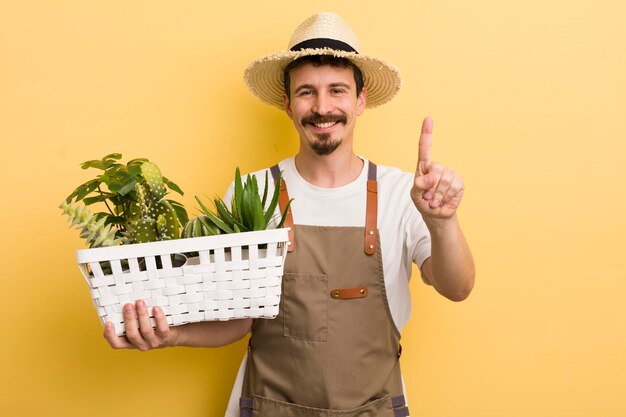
(361, 102)
(286, 105)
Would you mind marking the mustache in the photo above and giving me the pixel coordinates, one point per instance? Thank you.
(328, 118)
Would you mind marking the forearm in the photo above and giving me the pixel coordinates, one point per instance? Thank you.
(451, 266)
(212, 333)
(141, 335)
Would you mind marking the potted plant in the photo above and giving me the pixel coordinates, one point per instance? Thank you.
(220, 265)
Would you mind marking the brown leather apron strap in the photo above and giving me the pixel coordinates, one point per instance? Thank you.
(283, 200)
(371, 211)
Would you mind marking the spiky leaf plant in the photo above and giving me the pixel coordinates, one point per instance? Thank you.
(247, 209)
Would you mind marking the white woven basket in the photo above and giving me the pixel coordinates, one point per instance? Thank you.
(231, 278)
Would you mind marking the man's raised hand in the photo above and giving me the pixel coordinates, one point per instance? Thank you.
(437, 190)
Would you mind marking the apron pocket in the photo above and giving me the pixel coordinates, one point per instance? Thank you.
(305, 307)
(266, 407)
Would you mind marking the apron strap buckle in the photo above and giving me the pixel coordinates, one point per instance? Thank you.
(399, 406)
(245, 407)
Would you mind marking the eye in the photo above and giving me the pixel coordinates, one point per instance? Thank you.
(304, 93)
(337, 91)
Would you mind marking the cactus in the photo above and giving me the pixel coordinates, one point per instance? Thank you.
(159, 220)
(154, 179)
(94, 231)
(144, 230)
(136, 213)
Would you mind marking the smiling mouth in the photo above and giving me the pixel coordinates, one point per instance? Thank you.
(325, 125)
(324, 122)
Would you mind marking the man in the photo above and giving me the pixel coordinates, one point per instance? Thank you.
(356, 228)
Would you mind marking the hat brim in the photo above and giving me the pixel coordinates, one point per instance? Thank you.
(264, 76)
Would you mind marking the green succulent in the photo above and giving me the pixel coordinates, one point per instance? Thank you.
(200, 226)
(94, 231)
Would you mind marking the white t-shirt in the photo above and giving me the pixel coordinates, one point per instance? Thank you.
(404, 237)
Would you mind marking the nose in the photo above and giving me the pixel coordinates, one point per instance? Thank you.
(323, 104)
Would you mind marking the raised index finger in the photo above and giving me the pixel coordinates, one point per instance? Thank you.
(426, 140)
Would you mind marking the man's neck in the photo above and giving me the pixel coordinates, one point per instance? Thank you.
(329, 171)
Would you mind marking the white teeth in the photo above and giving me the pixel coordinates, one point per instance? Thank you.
(324, 125)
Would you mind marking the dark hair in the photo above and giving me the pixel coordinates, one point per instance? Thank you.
(319, 60)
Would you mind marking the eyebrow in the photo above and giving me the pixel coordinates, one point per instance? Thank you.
(345, 85)
(304, 87)
(312, 87)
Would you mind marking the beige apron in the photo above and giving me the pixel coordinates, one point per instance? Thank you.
(333, 349)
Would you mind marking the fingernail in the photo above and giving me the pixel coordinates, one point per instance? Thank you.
(435, 203)
(428, 195)
(128, 308)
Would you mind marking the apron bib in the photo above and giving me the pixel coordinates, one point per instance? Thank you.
(333, 349)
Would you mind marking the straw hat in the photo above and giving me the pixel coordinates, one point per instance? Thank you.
(321, 34)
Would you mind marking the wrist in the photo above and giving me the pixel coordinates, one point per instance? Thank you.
(441, 225)
(174, 339)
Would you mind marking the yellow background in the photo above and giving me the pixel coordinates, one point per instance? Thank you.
(528, 100)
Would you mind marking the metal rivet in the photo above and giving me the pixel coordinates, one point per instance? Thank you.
(289, 243)
(363, 291)
(336, 294)
(371, 232)
(371, 246)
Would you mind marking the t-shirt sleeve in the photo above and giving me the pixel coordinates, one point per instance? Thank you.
(400, 219)
(418, 238)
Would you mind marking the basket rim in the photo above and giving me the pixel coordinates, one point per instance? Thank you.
(192, 244)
